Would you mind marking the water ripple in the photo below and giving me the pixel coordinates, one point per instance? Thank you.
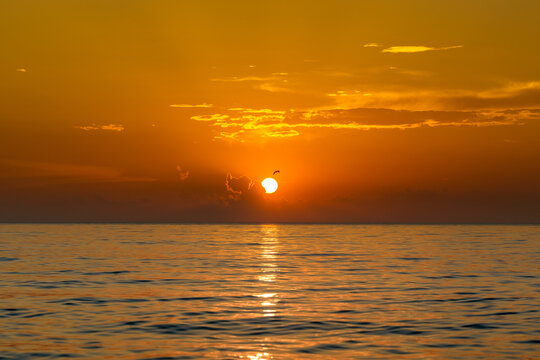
(262, 292)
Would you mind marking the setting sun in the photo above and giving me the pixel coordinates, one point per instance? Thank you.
(270, 185)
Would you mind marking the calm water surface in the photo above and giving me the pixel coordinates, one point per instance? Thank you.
(269, 292)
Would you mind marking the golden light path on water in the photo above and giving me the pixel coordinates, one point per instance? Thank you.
(268, 275)
(269, 267)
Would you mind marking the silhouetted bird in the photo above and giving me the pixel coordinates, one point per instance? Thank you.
(274, 173)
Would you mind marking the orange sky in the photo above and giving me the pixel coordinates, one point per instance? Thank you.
(174, 111)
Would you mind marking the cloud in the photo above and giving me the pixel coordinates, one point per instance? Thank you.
(257, 111)
(510, 96)
(282, 133)
(416, 49)
(243, 126)
(272, 83)
(231, 135)
(274, 87)
(372, 45)
(237, 186)
(183, 174)
(93, 127)
(213, 117)
(358, 110)
(349, 93)
(187, 106)
(113, 127)
(21, 70)
(242, 78)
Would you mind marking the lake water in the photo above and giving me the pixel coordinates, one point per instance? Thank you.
(269, 292)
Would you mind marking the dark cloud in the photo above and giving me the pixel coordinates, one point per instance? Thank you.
(238, 185)
(522, 98)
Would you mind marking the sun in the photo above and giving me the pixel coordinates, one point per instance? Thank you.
(270, 185)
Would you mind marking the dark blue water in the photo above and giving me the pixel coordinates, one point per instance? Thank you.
(269, 292)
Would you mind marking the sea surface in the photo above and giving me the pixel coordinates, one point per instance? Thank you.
(263, 292)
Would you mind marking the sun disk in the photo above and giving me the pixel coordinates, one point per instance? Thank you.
(270, 185)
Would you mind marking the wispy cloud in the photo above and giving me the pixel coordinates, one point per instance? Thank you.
(242, 78)
(231, 136)
(257, 111)
(212, 117)
(282, 133)
(372, 45)
(188, 106)
(349, 93)
(274, 86)
(113, 127)
(21, 70)
(273, 83)
(279, 124)
(510, 96)
(407, 49)
(93, 127)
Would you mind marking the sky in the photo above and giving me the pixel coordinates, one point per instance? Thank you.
(174, 111)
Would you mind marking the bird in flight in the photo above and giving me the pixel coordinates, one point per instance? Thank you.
(275, 172)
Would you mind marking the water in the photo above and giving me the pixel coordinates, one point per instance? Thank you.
(269, 292)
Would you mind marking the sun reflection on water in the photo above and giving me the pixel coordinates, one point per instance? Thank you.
(268, 276)
(269, 267)
(259, 356)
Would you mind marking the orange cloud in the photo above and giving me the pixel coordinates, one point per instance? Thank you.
(510, 96)
(187, 106)
(110, 127)
(213, 117)
(280, 124)
(242, 78)
(416, 49)
(282, 133)
(272, 83)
